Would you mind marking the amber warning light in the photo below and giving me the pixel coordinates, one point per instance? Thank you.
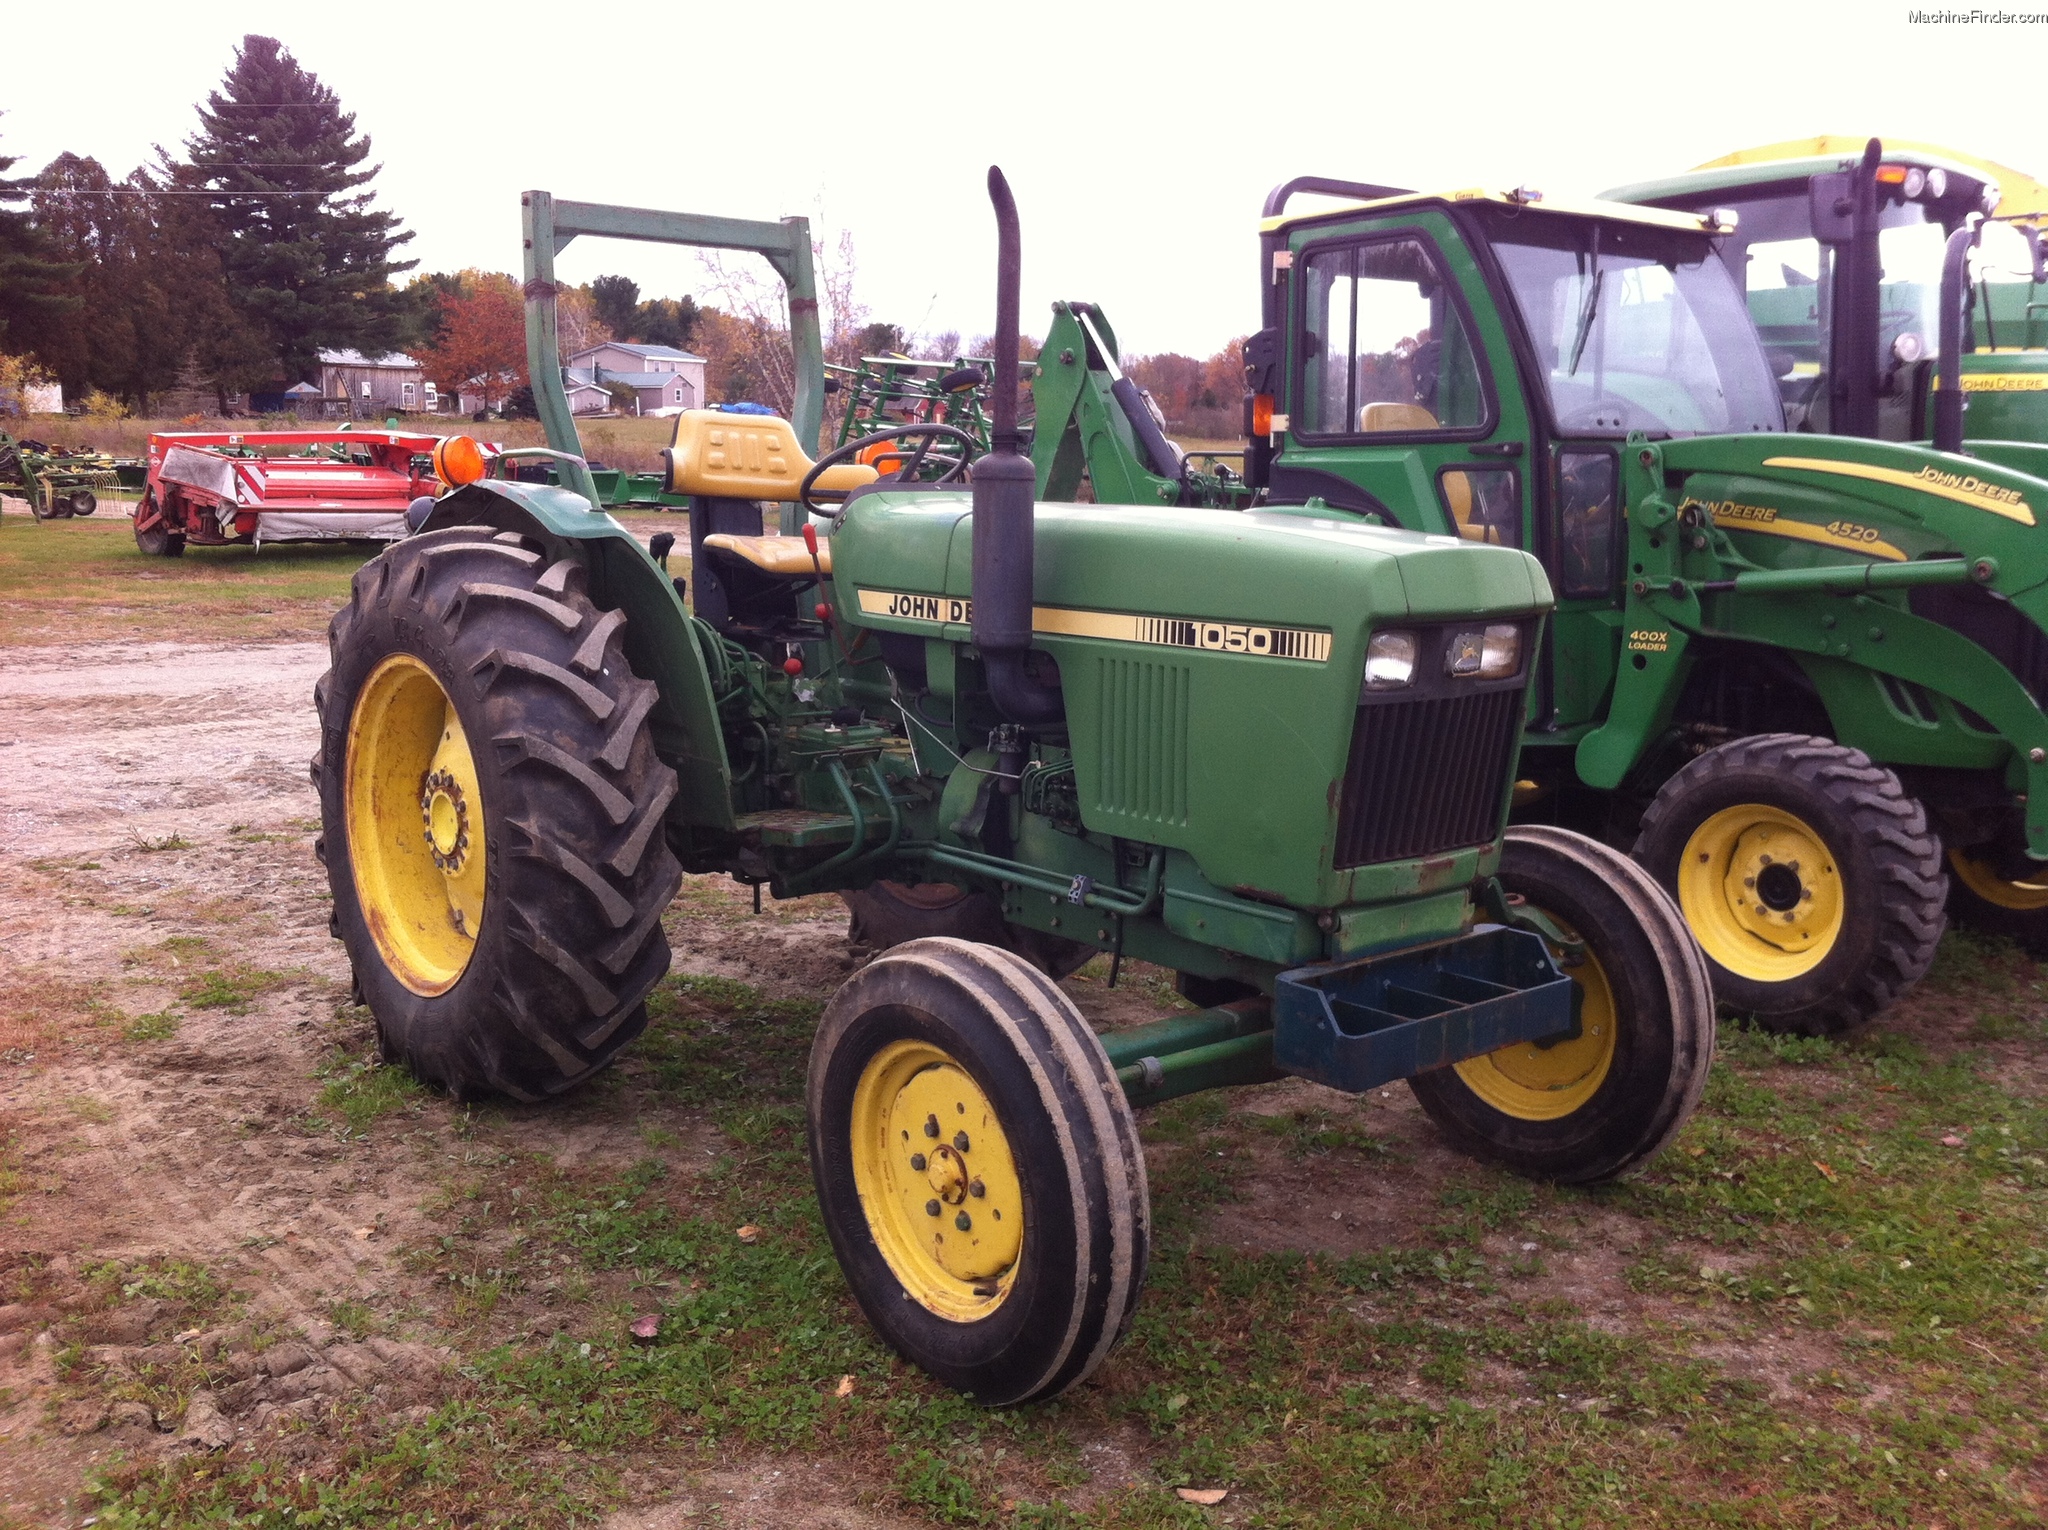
(459, 460)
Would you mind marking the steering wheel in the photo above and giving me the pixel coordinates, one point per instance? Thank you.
(927, 435)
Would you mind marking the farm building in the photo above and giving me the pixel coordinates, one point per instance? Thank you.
(586, 394)
(660, 376)
(353, 384)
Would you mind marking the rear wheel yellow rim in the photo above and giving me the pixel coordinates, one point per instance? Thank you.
(2021, 897)
(936, 1180)
(1762, 891)
(1538, 1083)
(415, 826)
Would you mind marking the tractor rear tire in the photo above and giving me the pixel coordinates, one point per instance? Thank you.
(884, 915)
(491, 808)
(158, 540)
(978, 1169)
(1602, 1104)
(1979, 898)
(1809, 876)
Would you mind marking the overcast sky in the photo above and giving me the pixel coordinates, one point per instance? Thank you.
(1140, 138)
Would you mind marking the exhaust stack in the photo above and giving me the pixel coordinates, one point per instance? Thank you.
(1005, 493)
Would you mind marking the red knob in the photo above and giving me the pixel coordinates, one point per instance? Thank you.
(824, 611)
(792, 665)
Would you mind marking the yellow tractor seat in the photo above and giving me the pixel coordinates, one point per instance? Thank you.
(774, 555)
(746, 456)
(1403, 417)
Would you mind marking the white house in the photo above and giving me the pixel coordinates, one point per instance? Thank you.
(660, 376)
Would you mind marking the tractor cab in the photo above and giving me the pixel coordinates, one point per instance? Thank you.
(1478, 359)
(1840, 254)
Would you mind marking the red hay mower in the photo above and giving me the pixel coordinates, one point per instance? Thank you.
(281, 486)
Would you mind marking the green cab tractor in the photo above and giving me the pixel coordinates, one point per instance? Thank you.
(1883, 318)
(1787, 669)
(1271, 750)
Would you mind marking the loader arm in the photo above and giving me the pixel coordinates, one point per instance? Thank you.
(1850, 555)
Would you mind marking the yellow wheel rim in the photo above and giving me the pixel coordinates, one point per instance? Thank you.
(936, 1180)
(1987, 884)
(415, 826)
(1762, 892)
(1536, 1083)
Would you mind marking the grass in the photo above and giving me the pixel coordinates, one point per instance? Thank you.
(76, 582)
(1856, 1346)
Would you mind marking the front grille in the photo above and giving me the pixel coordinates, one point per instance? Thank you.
(1427, 775)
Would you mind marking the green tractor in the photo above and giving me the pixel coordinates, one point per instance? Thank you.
(1788, 670)
(1876, 328)
(1842, 247)
(1271, 750)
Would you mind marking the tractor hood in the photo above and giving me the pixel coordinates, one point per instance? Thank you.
(1275, 566)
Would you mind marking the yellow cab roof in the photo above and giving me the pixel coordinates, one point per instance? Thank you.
(2020, 195)
(1619, 212)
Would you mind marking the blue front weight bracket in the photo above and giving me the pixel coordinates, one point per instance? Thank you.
(1356, 1025)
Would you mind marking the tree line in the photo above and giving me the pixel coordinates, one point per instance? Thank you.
(226, 268)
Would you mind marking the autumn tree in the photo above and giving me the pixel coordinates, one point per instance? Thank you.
(480, 346)
(306, 256)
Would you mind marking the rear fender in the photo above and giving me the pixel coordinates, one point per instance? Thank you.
(658, 639)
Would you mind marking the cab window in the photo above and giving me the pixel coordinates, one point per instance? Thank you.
(1484, 503)
(1384, 349)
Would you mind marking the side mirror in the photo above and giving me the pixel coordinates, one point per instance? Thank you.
(2008, 250)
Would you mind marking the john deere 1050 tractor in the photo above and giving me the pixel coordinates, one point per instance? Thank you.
(1270, 750)
(1787, 669)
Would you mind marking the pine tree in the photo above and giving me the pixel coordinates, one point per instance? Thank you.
(36, 295)
(306, 257)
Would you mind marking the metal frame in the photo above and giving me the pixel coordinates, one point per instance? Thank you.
(547, 224)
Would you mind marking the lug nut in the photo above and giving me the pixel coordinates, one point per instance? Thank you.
(960, 1142)
(931, 1126)
(963, 1221)
(977, 1189)
(917, 1163)
(931, 1208)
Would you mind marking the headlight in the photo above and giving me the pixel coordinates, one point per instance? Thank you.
(1492, 654)
(1389, 660)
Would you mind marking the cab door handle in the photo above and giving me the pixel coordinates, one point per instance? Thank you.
(1497, 449)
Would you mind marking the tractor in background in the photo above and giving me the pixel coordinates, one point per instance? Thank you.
(1789, 670)
(1271, 750)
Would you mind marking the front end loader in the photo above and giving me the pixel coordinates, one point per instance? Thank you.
(1272, 751)
(1791, 671)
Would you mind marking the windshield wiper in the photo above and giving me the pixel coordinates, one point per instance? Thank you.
(1592, 308)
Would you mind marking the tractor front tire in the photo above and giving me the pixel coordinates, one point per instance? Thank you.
(491, 809)
(978, 1169)
(1598, 1105)
(1809, 876)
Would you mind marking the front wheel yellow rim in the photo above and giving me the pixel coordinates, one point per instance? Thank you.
(2021, 897)
(936, 1180)
(1762, 891)
(415, 826)
(1541, 1083)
